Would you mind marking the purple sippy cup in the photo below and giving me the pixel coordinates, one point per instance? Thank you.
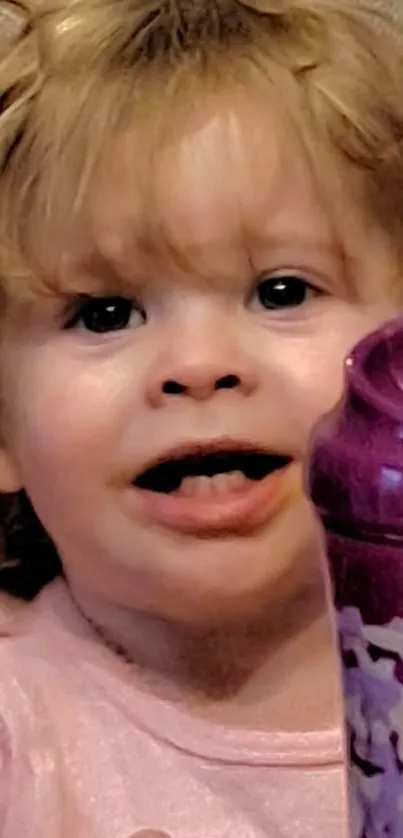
(355, 480)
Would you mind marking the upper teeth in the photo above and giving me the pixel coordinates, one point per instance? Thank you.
(233, 481)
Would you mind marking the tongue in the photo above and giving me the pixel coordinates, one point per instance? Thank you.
(218, 484)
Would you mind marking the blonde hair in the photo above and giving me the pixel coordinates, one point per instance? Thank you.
(73, 73)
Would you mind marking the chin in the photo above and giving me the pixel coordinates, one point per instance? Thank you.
(235, 579)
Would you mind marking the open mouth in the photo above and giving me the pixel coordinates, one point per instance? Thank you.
(239, 466)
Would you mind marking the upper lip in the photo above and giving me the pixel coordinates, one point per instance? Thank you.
(206, 446)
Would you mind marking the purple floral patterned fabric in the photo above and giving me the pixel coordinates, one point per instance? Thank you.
(374, 717)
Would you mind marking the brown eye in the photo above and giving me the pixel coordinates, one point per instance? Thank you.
(286, 291)
(105, 314)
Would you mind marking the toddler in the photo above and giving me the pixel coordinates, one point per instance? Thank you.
(200, 213)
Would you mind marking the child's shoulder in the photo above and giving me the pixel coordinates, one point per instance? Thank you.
(13, 663)
(11, 609)
(24, 635)
(14, 615)
(35, 671)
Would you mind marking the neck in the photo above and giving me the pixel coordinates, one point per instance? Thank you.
(245, 672)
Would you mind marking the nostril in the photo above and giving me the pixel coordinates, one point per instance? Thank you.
(173, 388)
(227, 382)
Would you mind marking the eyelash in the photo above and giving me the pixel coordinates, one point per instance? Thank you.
(284, 278)
(286, 281)
(76, 308)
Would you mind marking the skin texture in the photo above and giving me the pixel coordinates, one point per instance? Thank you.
(232, 622)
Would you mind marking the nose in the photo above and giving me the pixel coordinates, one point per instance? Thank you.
(200, 383)
(201, 368)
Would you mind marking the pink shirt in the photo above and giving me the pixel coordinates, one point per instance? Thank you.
(85, 753)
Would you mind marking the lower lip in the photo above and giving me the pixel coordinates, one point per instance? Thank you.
(238, 512)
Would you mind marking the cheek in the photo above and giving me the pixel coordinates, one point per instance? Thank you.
(63, 417)
(312, 365)
(315, 385)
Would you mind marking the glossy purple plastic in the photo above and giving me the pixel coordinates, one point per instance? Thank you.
(355, 480)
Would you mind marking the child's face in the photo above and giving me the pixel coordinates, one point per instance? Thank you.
(238, 342)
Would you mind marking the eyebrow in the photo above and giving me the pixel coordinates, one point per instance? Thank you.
(323, 244)
(93, 274)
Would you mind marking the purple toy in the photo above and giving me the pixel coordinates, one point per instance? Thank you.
(356, 483)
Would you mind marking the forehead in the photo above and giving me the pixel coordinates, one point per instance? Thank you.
(229, 176)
